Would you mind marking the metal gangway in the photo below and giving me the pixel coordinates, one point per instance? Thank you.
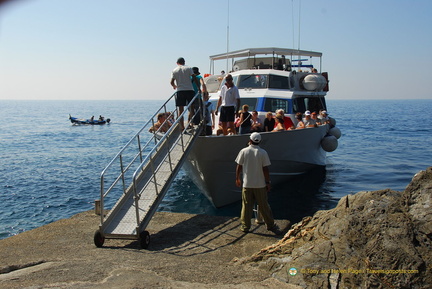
(141, 173)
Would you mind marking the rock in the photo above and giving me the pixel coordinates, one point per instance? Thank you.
(379, 239)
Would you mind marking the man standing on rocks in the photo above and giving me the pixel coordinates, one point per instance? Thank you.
(253, 162)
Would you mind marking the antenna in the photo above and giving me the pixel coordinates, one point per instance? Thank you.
(292, 20)
(299, 57)
(299, 25)
(227, 36)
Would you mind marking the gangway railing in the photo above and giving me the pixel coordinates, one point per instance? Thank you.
(141, 173)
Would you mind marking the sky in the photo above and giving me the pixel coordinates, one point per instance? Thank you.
(126, 50)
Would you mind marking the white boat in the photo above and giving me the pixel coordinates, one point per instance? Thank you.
(141, 173)
(268, 79)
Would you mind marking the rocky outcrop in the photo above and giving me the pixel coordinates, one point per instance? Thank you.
(379, 239)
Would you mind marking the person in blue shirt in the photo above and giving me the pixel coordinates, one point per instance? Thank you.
(199, 87)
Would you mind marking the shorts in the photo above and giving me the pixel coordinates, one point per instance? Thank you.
(184, 97)
(227, 114)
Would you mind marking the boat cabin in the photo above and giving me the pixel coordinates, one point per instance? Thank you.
(271, 83)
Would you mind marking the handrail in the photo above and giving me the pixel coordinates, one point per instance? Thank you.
(150, 155)
(137, 152)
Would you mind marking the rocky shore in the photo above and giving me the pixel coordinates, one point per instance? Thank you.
(379, 239)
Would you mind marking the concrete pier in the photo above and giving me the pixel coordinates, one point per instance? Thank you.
(186, 251)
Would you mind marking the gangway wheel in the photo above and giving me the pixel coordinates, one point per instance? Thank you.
(144, 239)
(98, 239)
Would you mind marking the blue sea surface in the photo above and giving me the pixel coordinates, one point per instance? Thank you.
(50, 169)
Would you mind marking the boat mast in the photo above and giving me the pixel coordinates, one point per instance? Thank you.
(299, 57)
(292, 20)
(228, 16)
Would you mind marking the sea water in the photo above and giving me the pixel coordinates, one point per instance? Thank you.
(50, 169)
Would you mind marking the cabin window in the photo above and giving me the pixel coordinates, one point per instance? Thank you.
(301, 104)
(252, 102)
(279, 82)
(252, 81)
(273, 104)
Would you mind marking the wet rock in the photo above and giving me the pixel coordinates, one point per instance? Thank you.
(379, 239)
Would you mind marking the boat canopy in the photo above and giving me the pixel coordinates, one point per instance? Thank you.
(251, 53)
(271, 50)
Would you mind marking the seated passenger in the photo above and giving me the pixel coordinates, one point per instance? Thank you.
(219, 131)
(279, 123)
(170, 117)
(161, 125)
(269, 122)
(237, 121)
(256, 122)
(300, 123)
(308, 121)
(287, 120)
(323, 117)
(314, 116)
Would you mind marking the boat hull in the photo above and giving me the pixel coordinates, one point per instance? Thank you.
(211, 162)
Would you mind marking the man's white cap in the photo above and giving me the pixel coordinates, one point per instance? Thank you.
(255, 137)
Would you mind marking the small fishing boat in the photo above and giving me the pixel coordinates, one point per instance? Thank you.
(91, 121)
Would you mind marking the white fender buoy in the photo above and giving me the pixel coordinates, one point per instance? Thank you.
(329, 143)
(335, 131)
(332, 121)
(315, 82)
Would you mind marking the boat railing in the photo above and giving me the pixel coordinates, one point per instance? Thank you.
(123, 170)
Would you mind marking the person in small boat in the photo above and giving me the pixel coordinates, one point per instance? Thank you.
(253, 164)
(299, 118)
(245, 120)
(279, 123)
(256, 122)
(101, 118)
(287, 120)
(308, 121)
(162, 125)
(92, 118)
(229, 102)
(269, 122)
(181, 82)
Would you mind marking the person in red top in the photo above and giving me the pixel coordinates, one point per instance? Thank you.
(289, 125)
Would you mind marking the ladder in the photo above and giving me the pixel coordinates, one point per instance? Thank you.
(144, 180)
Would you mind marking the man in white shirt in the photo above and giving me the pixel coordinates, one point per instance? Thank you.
(181, 81)
(229, 102)
(253, 162)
